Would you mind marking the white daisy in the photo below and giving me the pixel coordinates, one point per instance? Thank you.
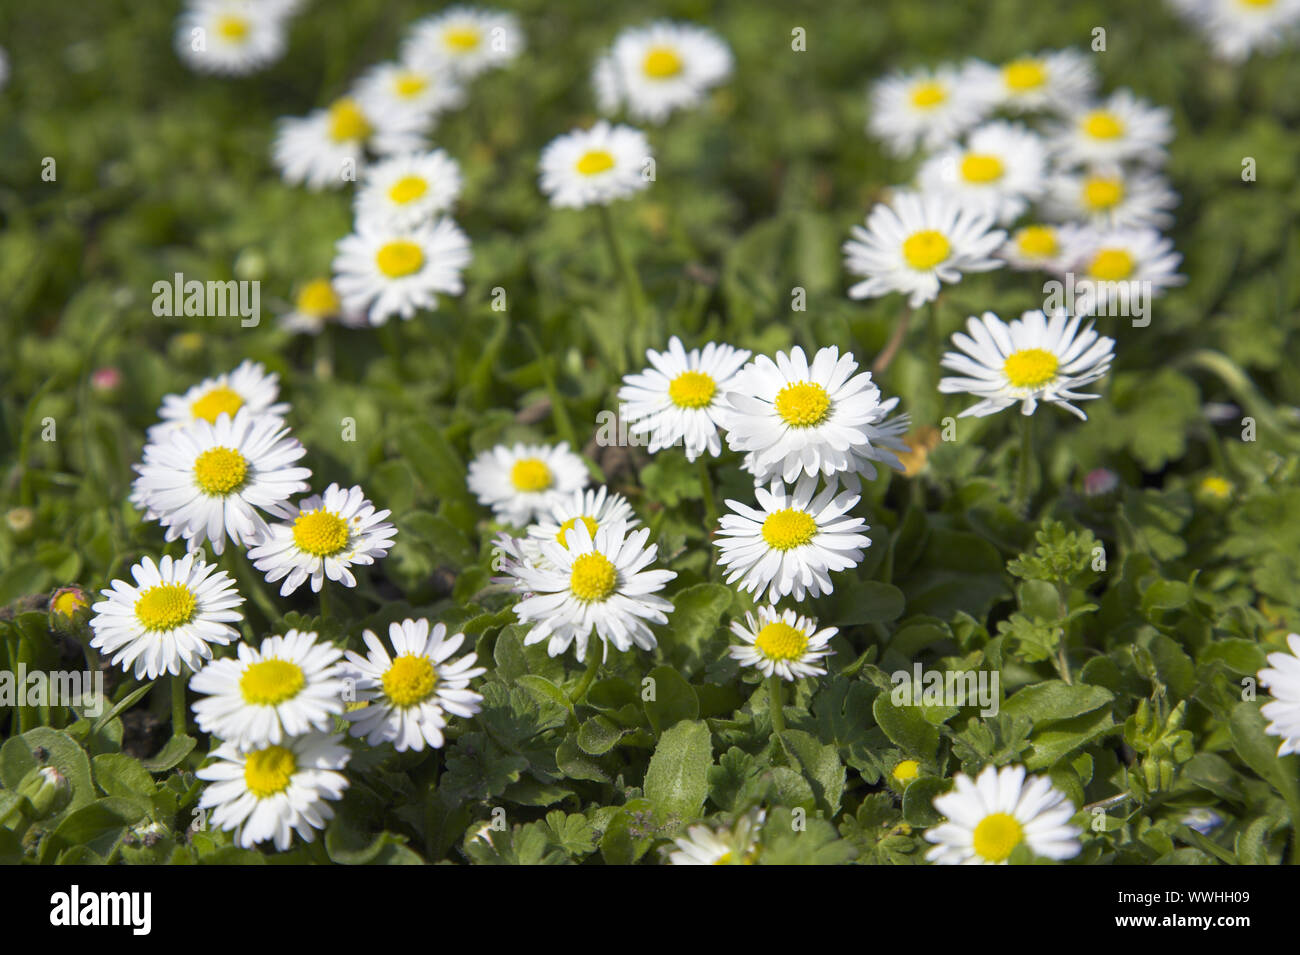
(593, 507)
(249, 386)
(1001, 168)
(660, 68)
(1282, 678)
(593, 167)
(1111, 198)
(423, 91)
(468, 40)
(325, 535)
(925, 109)
(1235, 29)
(681, 398)
(781, 642)
(1037, 246)
(992, 815)
(524, 481)
(385, 270)
(916, 242)
(231, 37)
(327, 148)
(737, 845)
(290, 686)
(315, 306)
(208, 481)
(593, 584)
(1119, 271)
(1031, 360)
(409, 695)
(792, 542)
(1051, 81)
(170, 618)
(406, 191)
(1119, 129)
(791, 418)
(268, 794)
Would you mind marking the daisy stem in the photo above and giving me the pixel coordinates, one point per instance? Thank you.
(593, 664)
(559, 413)
(238, 567)
(631, 282)
(774, 693)
(895, 342)
(706, 486)
(1021, 500)
(178, 704)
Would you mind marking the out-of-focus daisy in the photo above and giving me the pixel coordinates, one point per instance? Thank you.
(593, 167)
(790, 417)
(327, 148)
(386, 271)
(681, 398)
(231, 37)
(703, 845)
(915, 243)
(424, 91)
(660, 68)
(324, 536)
(1037, 247)
(999, 170)
(268, 794)
(468, 40)
(1118, 271)
(1111, 198)
(315, 306)
(793, 541)
(1119, 129)
(1031, 360)
(249, 386)
(1282, 678)
(1051, 81)
(405, 191)
(781, 642)
(169, 618)
(288, 687)
(990, 816)
(409, 694)
(208, 481)
(523, 481)
(593, 584)
(593, 507)
(1235, 29)
(925, 109)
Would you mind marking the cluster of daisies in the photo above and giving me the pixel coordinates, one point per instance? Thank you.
(221, 466)
(233, 37)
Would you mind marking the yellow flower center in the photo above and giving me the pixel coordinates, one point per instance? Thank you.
(996, 836)
(788, 528)
(268, 771)
(1216, 486)
(925, 249)
(165, 607)
(68, 603)
(595, 161)
(692, 389)
(907, 770)
(410, 680)
(399, 258)
(661, 62)
(271, 682)
(1258, 3)
(408, 189)
(462, 39)
(1024, 75)
(347, 122)
(1030, 367)
(570, 524)
(530, 474)
(220, 400)
(318, 298)
(232, 28)
(979, 168)
(1111, 265)
(320, 533)
(780, 641)
(218, 471)
(1103, 124)
(409, 84)
(928, 95)
(803, 404)
(593, 578)
(1037, 241)
(1100, 192)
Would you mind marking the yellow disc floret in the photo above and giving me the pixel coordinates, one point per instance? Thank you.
(1103, 124)
(593, 578)
(408, 189)
(399, 258)
(926, 249)
(661, 63)
(1037, 241)
(1030, 367)
(1111, 265)
(270, 682)
(318, 298)
(1024, 75)
(1102, 192)
(788, 528)
(981, 168)
(571, 523)
(907, 770)
(269, 771)
(320, 533)
(462, 39)
(410, 680)
(692, 389)
(530, 474)
(219, 471)
(165, 607)
(348, 122)
(996, 836)
(928, 95)
(595, 161)
(409, 84)
(232, 27)
(803, 404)
(779, 641)
(220, 400)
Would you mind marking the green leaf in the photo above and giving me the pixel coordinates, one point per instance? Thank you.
(674, 699)
(906, 727)
(677, 780)
(171, 755)
(1056, 700)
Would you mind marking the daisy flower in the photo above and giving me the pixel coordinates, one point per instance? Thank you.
(231, 37)
(208, 481)
(467, 40)
(1031, 360)
(523, 481)
(593, 167)
(1282, 678)
(249, 386)
(915, 243)
(1116, 271)
(1037, 247)
(792, 542)
(315, 306)
(660, 68)
(999, 170)
(1119, 129)
(268, 794)
(1110, 198)
(1051, 81)
(383, 270)
(327, 148)
(425, 92)
(781, 642)
(409, 695)
(792, 418)
(170, 618)
(1235, 29)
(991, 815)
(403, 192)
(593, 507)
(593, 583)
(735, 846)
(325, 535)
(925, 109)
(681, 398)
(290, 686)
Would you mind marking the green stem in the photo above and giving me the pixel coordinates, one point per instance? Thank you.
(1021, 500)
(589, 675)
(631, 282)
(178, 704)
(249, 578)
(559, 413)
(774, 693)
(706, 487)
